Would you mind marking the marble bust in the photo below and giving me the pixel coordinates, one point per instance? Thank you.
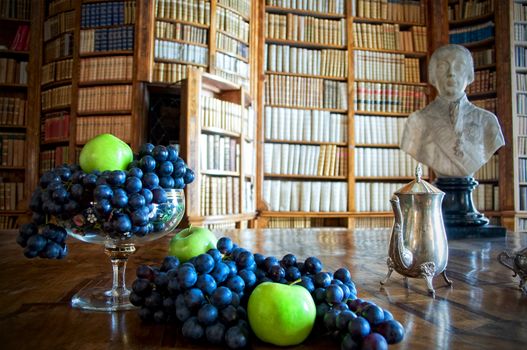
(451, 135)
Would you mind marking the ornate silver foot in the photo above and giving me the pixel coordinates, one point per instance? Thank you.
(427, 272)
(389, 262)
(448, 281)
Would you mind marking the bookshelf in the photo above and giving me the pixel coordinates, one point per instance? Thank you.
(474, 24)
(519, 91)
(15, 96)
(218, 141)
(333, 111)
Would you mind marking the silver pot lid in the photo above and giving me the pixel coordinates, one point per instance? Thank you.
(418, 186)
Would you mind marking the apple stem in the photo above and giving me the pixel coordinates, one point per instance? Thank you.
(295, 282)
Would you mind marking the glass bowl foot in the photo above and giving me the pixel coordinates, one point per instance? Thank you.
(102, 299)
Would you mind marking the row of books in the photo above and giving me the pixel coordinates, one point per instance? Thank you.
(484, 81)
(249, 197)
(106, 68)
(292, 91)
(51, 158)
(369, 223)
(376, 130)
(374, 196)
(522, 223)
(55, 127)
(521, 104)
(522, 169)
(522, 125)
(21, 39)
(13, 111)
(469, 8)
(523, 197)
(170, 72)
(220, 226)
(13, 71)
(57, 97)
(294, 223)
(486, 197)
(519, 56)
(89, 127)
(412, 11)
(8, 222)
(58, 24)
(182, 52)
(304, 125)
(197, 11)
(305, 29)
(520, 32)
(484, 57)
(232, 23)
(233, 77)
(226, 43)
(56, 71)
(232, 65)
(384, 162)
(219, 195)
(12, 149)
(331, 6)
(323, 160)
(11, 194)
(306, 196)
(521, 81)
(216, 113)
(180, 31)
(519, 11)
(522, 146)
(470, 34)
(490, 170)
(489, 104)
(242, 6)
(249, 162)
(107, 39)
(105, 98)
(371, 65)
(290, 59)
(380, 97)
(57, 6)
(388, 36)
(59, 47)
(108, 14)
(219, 153)
(19, 9)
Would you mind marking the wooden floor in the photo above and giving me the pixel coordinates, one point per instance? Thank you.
(484, 309)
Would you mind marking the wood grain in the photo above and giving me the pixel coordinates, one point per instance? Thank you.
(483, 310)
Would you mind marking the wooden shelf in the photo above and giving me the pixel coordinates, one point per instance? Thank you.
(218, 131)
(304, 44)
(491, 66)
(12, 212)
(54, 142)
(382, 20)
(57, 109)
(105, 82)
(13, 86)
(299, 142)
(55, 84)
(15, 20)
(342, 111)
(56, 36)
(61, 58)
(222, 219)
(379, 145)
(306, 75)
(99, 113)
(287, 10)
(414, 54)
(305, 177)
(183, 42)
(106, 53)
(304, 214)
(391, 82)
(14, 168)
(241, 58)
(172, 20)
(213, 172)
(479, 44)
(233, 36)
(481, 95)
(11, 126)
(168, 60)
(387, 178)
(471, 20)
(13, 52)
(382, 114)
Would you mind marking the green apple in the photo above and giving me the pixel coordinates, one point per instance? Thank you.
(191, 242)
(105, 152)
(281, 314)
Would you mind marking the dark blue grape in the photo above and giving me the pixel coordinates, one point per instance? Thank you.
(221, 297)
(189, 176)
(160, 153)
(160, 195)
(133, 184)
(36, 243)
(136, 201)
(166, 182)
(154, 300)
(192, 329)
(51, 250)
(322, 309)
(292, 273)
(187, 276)
(165, 168)
(224, 245)
(103, 207)
(28, 230)
(146, 149)
(204, 263)
(142, 287)
(207, 314)
(228, 315)
(343, 275)
(90, 180)
(193, 298)
(215, 333)
(353, 304)
(334, 294)
(216, 255)
(322, 279)
(179, 168)
(313, 265)
(220, 272)
(359, 328)
(206, 283)
(150, 180)
(288, 260)
(147, 164)
(139, 217)
(235, 284)
(172, 152)
(117, 178)
(387, 315)
(343, 319)
(179, 183)
(121, 223)
(77, 191)
(47, 178)
(349, 344)
(236, 338)
(330, 319)
(307, 283)
(374, 341)
(145, 192)
(78, 176)
(259, 259)
(319, 295)
(161, 281)
(102, 192)
(30, 254)
(135, 172)
(248, 276)
(160, 316)
(276, 273)
(35, 203)
(269, 262)
(233, 270)
(60, 195)
(373, 313)
(391, 330)
(120, 200)
(136, 299)
(169, 263)
(146, 314)
(244, 259)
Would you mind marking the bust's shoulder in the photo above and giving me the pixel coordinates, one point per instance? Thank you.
(482, 115)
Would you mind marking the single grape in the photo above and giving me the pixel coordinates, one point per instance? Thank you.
(359, 328)
(343, 319)
(221, 297)
(206, 283)
(224, 245)
(334, 294)
(193, 298)
(192, 329)
(374, 341)
(236, 338)
(373, 313)
(313, 265)
(391, 330)
(349, 344)
(215, 333)
(207, 314)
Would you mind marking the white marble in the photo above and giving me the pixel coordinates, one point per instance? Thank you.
(451, 135)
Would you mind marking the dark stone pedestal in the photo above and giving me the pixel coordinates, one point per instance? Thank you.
(461, 218)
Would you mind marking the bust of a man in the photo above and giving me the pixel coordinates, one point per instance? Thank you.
(451, 135)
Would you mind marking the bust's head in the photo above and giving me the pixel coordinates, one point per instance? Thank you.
(450, 70)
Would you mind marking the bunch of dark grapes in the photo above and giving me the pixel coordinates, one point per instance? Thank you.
(119, 202)
(208, 296)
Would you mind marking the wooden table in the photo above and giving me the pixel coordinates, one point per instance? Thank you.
(484, 310)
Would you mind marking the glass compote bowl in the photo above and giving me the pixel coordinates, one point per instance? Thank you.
(164, 218)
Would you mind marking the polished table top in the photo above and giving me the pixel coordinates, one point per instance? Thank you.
(484, 309)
